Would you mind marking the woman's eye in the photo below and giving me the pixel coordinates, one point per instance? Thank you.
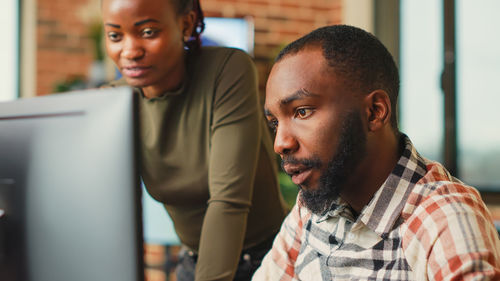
(114, 36)
(148, 32)
(303, 113)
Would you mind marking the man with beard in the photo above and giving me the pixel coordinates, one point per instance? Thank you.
(369, 207)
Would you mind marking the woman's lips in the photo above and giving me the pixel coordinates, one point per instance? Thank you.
(135, 71)
(301, 176)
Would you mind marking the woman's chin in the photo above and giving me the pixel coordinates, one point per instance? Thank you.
(135, 82)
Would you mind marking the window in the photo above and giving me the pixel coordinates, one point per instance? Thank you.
(421, 97)
(477, 95)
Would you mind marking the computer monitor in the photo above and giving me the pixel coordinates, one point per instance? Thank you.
(69, 188)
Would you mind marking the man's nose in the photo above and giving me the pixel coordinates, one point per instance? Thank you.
(285, 142)
(132, 49)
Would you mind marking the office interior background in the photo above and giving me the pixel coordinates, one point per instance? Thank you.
(447, 52)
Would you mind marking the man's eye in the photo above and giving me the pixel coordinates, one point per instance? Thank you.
(114, 36)
(149, 32)
(303, 113)
(273, 124)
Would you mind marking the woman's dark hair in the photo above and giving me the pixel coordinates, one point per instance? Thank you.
(185, 6)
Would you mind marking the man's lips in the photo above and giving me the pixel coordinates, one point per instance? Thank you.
(135, 71)
(299, 173)
(301, 177)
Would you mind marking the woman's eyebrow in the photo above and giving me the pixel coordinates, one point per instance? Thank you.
(145, 21)
(113, 25)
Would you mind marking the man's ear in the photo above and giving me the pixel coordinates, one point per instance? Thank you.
(187, 23)
(378, 109)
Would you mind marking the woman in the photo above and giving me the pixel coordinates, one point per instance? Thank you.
(206, 152)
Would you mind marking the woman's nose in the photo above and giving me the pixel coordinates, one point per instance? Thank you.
(132, 49)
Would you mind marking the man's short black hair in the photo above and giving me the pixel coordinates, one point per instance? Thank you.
(355, 55)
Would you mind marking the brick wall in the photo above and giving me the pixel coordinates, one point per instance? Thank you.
(277, 22)
(65, 50)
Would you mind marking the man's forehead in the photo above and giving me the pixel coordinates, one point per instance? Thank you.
(312, 56)
(295, 72)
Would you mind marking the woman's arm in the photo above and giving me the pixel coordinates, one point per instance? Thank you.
(234, 150)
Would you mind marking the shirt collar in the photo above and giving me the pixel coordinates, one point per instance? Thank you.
(338, 208)
(381, 214)
(167, 94)
(384, 209)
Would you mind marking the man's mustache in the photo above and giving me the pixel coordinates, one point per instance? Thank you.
(307, 163)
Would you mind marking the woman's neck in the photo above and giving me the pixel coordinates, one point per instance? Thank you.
(171, 82)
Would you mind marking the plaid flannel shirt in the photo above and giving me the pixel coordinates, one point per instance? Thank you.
(422, 224)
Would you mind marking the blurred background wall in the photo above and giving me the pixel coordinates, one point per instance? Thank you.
(64, 47)
(56, 45)
(65, 32)
(60, 36)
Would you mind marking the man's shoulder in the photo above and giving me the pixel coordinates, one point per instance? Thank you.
(440, 193)
(442, 218)
(447, 198)
(440, 202)
(438, 185)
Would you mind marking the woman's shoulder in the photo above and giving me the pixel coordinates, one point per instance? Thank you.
(210, 55)
(221, 51)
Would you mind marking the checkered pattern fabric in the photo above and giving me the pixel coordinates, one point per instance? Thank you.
(422, 224)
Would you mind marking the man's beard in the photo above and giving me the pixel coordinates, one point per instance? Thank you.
(350, 151)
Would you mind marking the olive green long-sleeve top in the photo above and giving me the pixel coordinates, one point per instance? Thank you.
(207, 155)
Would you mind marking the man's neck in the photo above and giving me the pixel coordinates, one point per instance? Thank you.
(381, 157)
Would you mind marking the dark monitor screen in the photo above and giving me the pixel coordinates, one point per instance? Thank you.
(69, 188)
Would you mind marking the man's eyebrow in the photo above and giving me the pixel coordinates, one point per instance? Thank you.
(299, 94)
(113, 25)
(145, 21)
